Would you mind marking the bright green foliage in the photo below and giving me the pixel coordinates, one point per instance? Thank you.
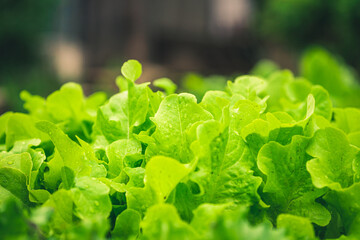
(166, 84)
(297, 227)
(163, 222)
(223, 175)
(289, 188)
(320, 67)
(267, 158)
(328, 146)
(174, 119)
(127, 225)
(347, 120)
(226, 222)
(131, 70)
(317, 66)
(67, 107)
(346, 202)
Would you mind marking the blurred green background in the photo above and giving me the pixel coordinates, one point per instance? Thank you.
(199, 44)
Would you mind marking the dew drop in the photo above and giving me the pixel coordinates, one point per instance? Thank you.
(10, 162)
(97, 203)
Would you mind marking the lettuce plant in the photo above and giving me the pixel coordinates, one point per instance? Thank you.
(263, 159)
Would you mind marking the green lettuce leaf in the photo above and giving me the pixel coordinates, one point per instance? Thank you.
(222, 177)
(127, 225)
(346, 202)
(163, 222)
(122, 153)
(232, 224)
(333, 161)
(162, 174)
(297, 227)
(173, 120)
(131, 70)
(288, 187)
(74, 156)
(91, 198)
(166, 84)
